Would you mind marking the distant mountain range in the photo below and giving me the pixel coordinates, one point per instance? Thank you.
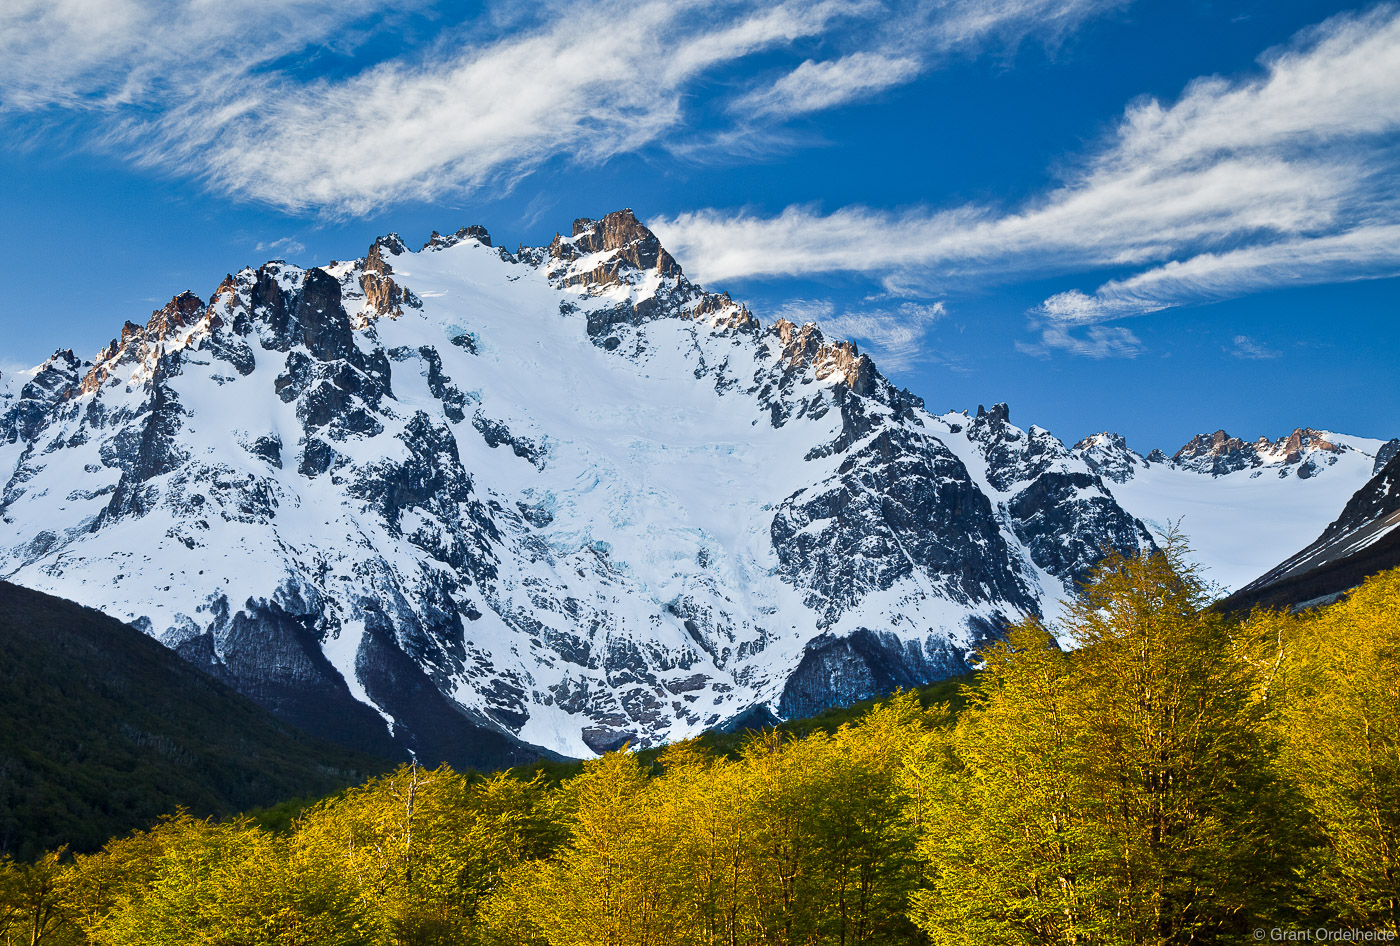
(1242, 505)
(474, 502)
(1363, 540)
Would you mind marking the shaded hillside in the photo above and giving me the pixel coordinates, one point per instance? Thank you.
(1363, 541)
(102, 730)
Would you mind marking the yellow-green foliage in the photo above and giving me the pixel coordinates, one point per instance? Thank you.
(794, 842)
(1122, 793)
(1177, 778)
(1336, 675)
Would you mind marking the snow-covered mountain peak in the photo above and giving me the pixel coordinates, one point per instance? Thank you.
(475, 232)
(1304, 452)
(1109, 455)
(469, 498)
(604, 252)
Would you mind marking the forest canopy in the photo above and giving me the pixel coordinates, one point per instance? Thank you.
(1177, 777)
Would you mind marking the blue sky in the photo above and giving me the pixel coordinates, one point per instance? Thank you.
(1151, 217)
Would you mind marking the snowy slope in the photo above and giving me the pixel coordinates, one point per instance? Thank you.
(478, 502)
(1242, 522)
(1362, 541)
(563, 498)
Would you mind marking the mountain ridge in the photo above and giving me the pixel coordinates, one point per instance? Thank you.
(561, 498)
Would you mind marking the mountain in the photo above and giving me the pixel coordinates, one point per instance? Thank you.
(1363, 540)
(106, 730)
(1387, 451)
(479, 502)
(1238, 502)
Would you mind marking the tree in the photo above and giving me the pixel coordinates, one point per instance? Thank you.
(231, 884)
(1338, 712)
(32, 906)
(607, 887)
(1122, 793)
(1010, 837)
(1201, 830)
(424, 847)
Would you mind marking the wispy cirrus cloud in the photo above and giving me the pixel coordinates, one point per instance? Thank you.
(108, 54)
(1285, 177)
(814, 86)
(592, 84)
(915, 39)
(211, 88)
(1251, 350)
(289, 245)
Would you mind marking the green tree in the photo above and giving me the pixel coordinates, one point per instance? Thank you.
(1338, 700)
(33, 909)
(1122, 793)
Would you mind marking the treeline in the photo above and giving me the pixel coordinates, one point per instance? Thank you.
(1178, 777)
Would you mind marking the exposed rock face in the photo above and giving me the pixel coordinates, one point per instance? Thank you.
(628, 246)
(439, 242)
(44, 395)
(1305, 449)
(384, 297)
(1109, 455)
(806, 346)
(861, 666)
(1217, 453)
(865, 529)
(473, 502)
(1385, 454)
(1062, 513)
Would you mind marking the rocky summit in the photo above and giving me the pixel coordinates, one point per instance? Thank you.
(472, 504)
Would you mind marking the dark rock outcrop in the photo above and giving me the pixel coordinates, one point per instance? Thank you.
(1385, 454)
(899, 505)
(839, 671)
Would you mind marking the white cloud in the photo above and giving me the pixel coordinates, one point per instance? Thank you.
(917, 37)
(897, 338)
(210, 88)
(1289, 176)
(1096, 341)
(597, 81)
(104, 53)
(1364, 252)
(813, 86)
(961, 25)
(288, 245)
(1251, 350)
